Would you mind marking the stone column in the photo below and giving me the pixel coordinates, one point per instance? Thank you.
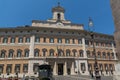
(65, 68)
(72, 68)
(113, 48)
(32, 41)
(30, 68)
(84, 49)
(55, 69)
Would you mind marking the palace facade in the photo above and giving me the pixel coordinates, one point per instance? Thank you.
(66, 46)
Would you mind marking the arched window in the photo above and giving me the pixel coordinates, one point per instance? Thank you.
(81, 53)
(3, 53)
(88, 54)
(36, 53)
(98, 54)
(74, 52)
(51, 52)
(58, 16)
(108, 54)
(10, 55)
(26, 54)
(60, 52)
(104, 55)
(67, 52)
(19, 53)
(112, 54)
(44, 52)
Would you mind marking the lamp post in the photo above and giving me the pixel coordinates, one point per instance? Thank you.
(91, 29)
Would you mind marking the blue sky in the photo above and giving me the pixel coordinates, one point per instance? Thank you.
(21, 12)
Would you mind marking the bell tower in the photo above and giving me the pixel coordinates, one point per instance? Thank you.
(58, 13)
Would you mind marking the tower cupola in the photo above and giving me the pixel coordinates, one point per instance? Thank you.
(58, 13)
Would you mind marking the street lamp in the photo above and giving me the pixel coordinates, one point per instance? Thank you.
(91, 29)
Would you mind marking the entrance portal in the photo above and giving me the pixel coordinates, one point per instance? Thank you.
(60, 69)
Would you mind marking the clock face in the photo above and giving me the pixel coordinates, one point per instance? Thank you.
(59, 24)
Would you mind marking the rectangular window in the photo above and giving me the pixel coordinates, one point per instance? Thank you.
(59, 40)
(51, 40)
(5, 40)
(97, 44)
(86, 42)
(73, 41)
(9, 68)
(35, 67)
(20, 40)
(67, 41)
(12, 40)
(17, 68)
(25, 68)
(27, 39)
(37, 39)
(1, 68)
(79, 41)
(44, 39)
(83, 67)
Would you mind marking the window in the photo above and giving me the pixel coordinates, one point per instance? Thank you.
(106, 67)
(5, 40)
(89, 67)
(27, 39)
(51, 40)
(104, 55)
(79, 41)
(101, 67)
(58, 16)
(3, 53)
(88, 54)
(97, 44)
(67, 40)
(36, 53)
(67, 52)
(83, 67)
(12, 40)
(44, 39)
(73, 41)
(9, 68)
(35, 67)
(110, 67)
(1, 68)
(108, 54)
(44, 52)
(17, 68)
(19, 53)
(25, 68)
(98, 54)
(10, 55)
(60, 52)
(112, 55)
(20, 40)
(59, 40)
(81, 53)
(37, 39)
(51, 52)
(74, 53)
(86, 42)
(26, 53)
